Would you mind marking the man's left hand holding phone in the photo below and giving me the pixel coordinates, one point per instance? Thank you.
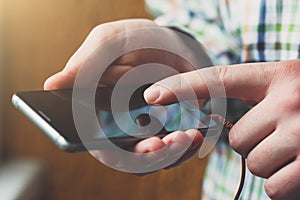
(65, 79)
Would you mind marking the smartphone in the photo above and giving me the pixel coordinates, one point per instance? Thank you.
(51, 112)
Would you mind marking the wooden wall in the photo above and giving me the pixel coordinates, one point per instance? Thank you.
(39, 37)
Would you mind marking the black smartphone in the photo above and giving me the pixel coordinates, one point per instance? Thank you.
(51, 111)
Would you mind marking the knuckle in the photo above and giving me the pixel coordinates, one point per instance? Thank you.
(222, 75)
(98, 32)
(272, 191)
(288, 73)
(292, 100)
(255, 167)
(289, 102)
(291, 67)
(233, 140)
(97, 29)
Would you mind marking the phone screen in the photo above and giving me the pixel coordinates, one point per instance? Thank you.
(138, 120)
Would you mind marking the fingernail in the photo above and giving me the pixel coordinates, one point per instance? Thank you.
(152, 93)
(191, 133)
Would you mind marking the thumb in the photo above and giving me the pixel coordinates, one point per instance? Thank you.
(249, 81)
(59, 80)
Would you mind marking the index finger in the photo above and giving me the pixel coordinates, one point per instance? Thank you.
(249, 81)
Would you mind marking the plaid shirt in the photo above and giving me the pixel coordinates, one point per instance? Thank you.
(235, 31)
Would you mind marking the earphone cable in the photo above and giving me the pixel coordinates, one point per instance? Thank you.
(228, 125)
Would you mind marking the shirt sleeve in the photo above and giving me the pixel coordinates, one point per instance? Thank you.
(203, 20)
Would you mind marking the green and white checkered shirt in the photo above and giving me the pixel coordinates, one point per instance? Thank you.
(235, 31)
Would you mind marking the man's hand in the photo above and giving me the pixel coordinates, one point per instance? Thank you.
(101, 33)
(173, 143)
(269, 134)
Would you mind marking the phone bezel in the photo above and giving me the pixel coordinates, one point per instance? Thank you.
(38, 118)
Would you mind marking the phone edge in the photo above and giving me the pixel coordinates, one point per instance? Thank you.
(41, 123)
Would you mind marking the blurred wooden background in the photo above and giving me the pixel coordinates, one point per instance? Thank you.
(39, 37)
